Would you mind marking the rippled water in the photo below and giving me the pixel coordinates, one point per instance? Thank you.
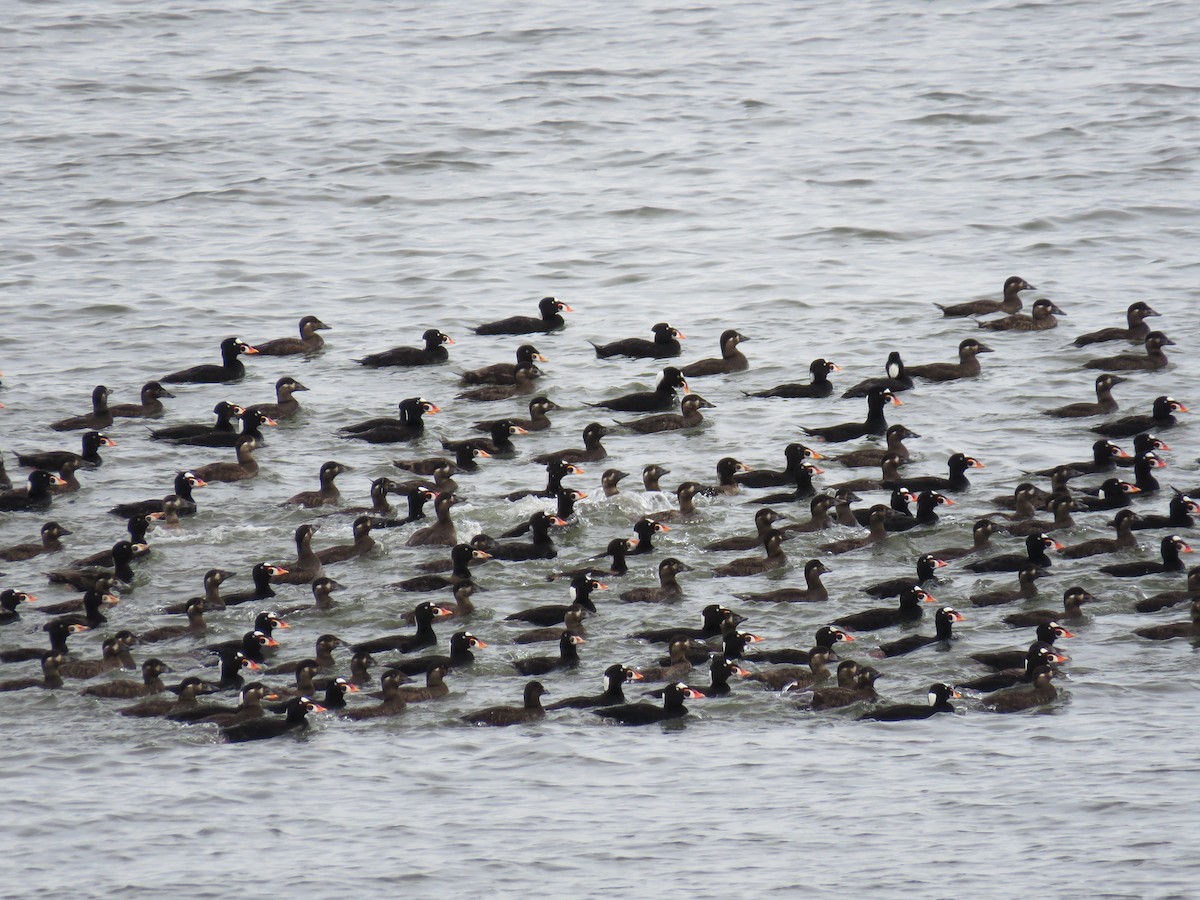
(179, 172)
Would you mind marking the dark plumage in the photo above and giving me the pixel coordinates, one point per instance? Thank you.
(1042, 319)
(1036, 546)
(328, 493)
(1165, 632)
(431, 354)
(1010, 304)
(1073, 600)
(1135, 331)
(909, 609)
(230, 369)
(100, 416)
(1162, 416)
(225, 413)
(819, 386)
(1153, 359)
(875, 423)
(615, 677)
(689, 416)
(89, 457)
(592, 450)
(1027, 589)
(966, 367)
(245, 468)
(1017, 699)
(568, 658)
(939, 702)
(409, 426)
(1104, 401)
(530, 711)
(943, 619)
(1171, 547)
(661, 398)
(731, 360)
(308, 342)
(665, 344)
(550, 319)
(896, 380)
(504, 373)
(286, 406)
(668, 588)
(295, 719)
(813, 591)
(49, 543)
(648, 713)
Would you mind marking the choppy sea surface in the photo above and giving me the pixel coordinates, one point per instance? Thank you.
(815, 176)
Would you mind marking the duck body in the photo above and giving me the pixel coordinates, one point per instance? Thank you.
(230, 369)
(432, 353)
(665, 345)
(1011, 302)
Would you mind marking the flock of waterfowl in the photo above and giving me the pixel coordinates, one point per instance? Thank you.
(799, 518)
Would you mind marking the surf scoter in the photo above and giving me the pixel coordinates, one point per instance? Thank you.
(1171, 547)
(308, 342)
(1010, 304)
(689, 416)
(668, 588)
(51, 532)
(431, 354)
(523, 383)
(731, 360)
(530, 711)
(1036, 546)
(665, 344)
(1027, 589)
(875, 423)
(1135, 331)
(819, 386)
(225, 413)
(409, 426)
(660, 399)
(615, 677)
(100, 416)
(966, 367)
(940, 696)
(1162, 416)
(230, 369)
(550, 319)
(150, 407)
(1072, 610)
(943, 619)
(1039, 692)
(1189, 629)
(895, 436)
(1042, 319)
(1153, 359)
(1165, 599)
(461, 645)
(927, 566)
(246, 466)
(591, 451)
(537, 421)
(648, 713)
(285, 407)
(504, 373)
(896, 380)
(813, 592)
(1104, 402)
(92, 441)
(909, 609)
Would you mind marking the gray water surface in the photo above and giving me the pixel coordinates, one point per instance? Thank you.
(814, 176)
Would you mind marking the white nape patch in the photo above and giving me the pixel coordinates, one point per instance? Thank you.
(574, 593)
(933, 698)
